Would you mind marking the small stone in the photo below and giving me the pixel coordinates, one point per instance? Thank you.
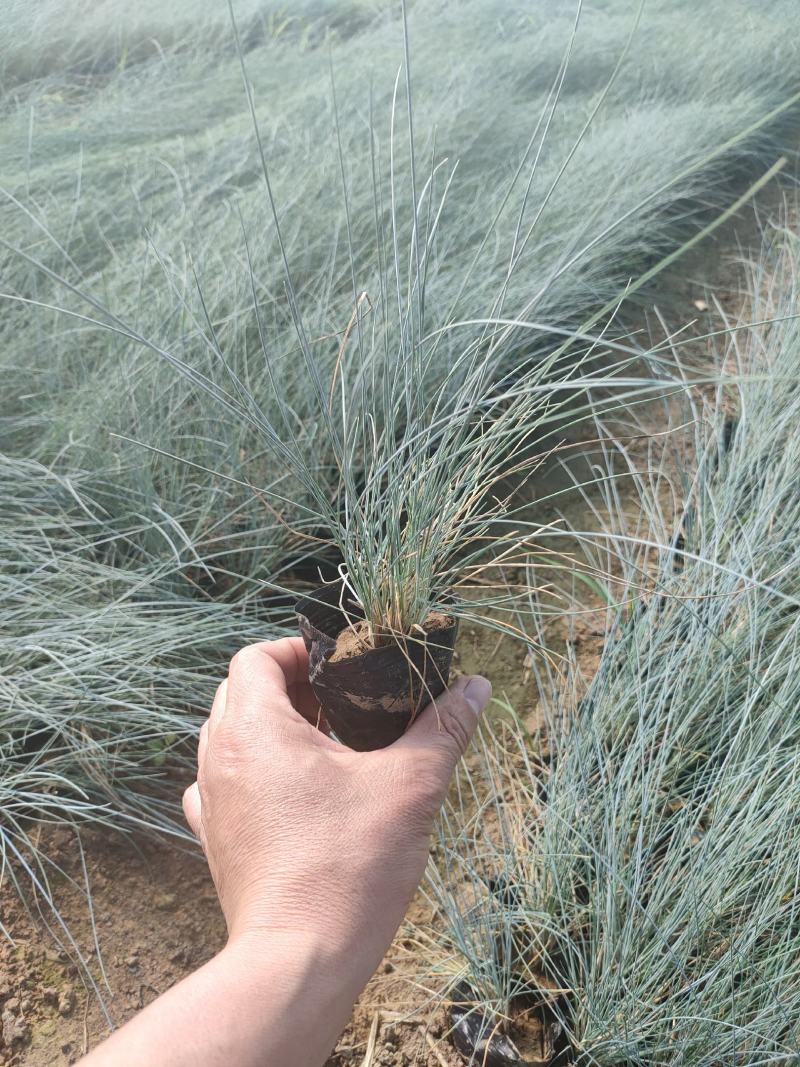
(388, 968)
(66, 1048)
(50, 995)
(132, 961)
(15, 1029)
(66, 1002)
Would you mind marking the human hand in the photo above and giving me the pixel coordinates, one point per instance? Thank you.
(315, 851)
(302, 834)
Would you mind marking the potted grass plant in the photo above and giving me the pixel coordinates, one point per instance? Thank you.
(421, 536)
(417, 431)
(409, 489)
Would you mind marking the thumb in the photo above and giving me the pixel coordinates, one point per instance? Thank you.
(447, 724)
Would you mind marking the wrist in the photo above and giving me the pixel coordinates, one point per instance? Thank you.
(364, 911)
(284, 980)
(255, 951)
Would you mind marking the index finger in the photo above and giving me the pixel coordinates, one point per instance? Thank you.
(290, 655)
(261, 672)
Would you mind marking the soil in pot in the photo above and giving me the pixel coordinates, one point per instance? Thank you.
(370, 695)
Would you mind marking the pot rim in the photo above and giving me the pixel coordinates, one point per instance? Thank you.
(328, 598)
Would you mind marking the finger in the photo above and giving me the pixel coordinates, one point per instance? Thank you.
(258, 678)
(192, 808)
(446, 726)
(217, 708)
(291, 656)
(289, 653)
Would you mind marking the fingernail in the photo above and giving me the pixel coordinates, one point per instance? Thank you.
(477, 692)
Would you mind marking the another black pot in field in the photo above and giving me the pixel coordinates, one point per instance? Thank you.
(369, 698)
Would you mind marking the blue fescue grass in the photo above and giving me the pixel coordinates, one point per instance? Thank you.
(637, 881)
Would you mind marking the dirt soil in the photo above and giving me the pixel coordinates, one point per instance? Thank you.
(154, 908)
(157, 919)
(355, 640)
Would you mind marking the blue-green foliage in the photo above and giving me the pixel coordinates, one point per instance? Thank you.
(649, 866)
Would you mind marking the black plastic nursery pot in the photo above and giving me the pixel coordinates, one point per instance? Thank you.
(369, 697)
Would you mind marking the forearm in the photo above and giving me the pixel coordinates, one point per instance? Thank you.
(265, 1001)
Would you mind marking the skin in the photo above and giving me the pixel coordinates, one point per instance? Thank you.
(315, 851)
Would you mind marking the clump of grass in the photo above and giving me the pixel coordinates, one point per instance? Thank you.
(637, 881)
(109, 664)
